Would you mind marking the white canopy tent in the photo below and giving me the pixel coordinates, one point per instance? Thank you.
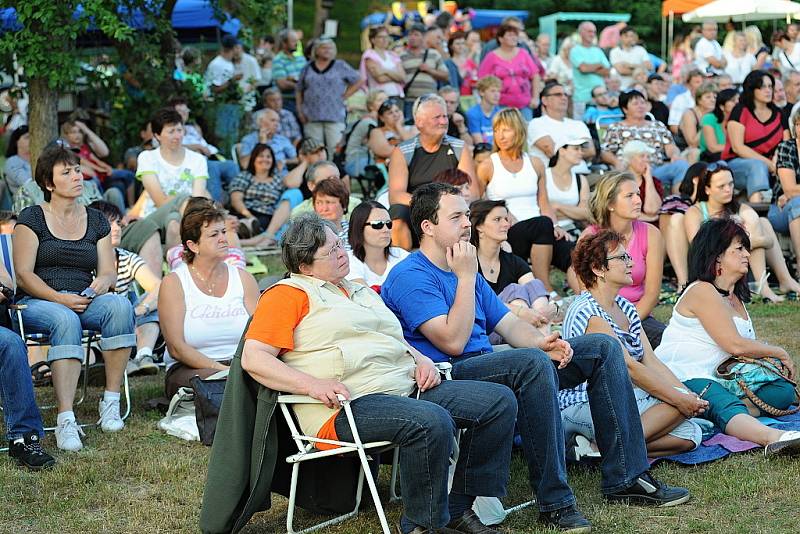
(743, 11)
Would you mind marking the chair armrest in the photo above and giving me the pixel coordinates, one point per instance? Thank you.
(305, 399)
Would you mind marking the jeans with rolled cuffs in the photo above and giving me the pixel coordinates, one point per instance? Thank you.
(536, 380)
(110, 314)
(16, 388)
(750, 174)
(424, 429)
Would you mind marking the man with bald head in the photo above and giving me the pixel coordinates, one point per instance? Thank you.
(589, 67)
(708, 54)
(267, 121)
(416, 161)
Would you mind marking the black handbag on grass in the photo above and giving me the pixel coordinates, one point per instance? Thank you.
(207, 401)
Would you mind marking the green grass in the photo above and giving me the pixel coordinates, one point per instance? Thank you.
(142, 480)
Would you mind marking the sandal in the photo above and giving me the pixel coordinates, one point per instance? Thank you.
(41, 374)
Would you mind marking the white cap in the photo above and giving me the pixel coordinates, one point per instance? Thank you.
(572, 141)
(635, 146)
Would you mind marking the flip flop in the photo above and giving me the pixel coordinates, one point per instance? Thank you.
(41, 374)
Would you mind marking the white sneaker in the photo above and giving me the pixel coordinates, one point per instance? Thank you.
(110, 421)
(788, 444)
(132, 367)
(68, 436)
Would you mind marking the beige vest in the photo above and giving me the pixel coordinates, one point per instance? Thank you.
(357, 341)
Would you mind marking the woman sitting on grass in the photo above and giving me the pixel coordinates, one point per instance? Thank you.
(710, 324)
(604, 267)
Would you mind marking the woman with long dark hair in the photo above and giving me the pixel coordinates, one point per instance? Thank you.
(370, 237)
(710, 323)
(755, 128)
(715, 199)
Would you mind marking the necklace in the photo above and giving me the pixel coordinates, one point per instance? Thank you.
(57, 218)
(723, 292)
(491, 266)
(209, 286)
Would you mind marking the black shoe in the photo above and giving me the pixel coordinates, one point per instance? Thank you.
(568, 519)
(423, 530)
(646, 490)
(470, 524)
(29, 453)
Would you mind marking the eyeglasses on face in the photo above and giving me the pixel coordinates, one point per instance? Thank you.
(625, 257)
(332, 253)
(378, 225)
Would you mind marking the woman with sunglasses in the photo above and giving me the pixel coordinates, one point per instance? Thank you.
(605, 267)
(755, 128)
(715, 199)
(370, 236)
(390, 132)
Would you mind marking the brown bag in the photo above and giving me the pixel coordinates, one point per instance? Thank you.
(774, 366)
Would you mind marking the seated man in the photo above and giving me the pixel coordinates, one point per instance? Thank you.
(23, 422)
(288, 126)
(448, 311)
(302, 328)
(267, 121)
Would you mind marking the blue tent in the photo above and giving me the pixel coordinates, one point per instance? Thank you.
(493, 17)
(187, 15)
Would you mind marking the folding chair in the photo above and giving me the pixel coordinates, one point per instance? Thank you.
(88, 337)
(306, 450)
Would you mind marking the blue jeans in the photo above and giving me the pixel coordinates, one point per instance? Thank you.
(780, 218)
(750, 174)
(535, 381)
(16, 389)
(220, 172)
(110, 314)
(671, 173)
(424, 430)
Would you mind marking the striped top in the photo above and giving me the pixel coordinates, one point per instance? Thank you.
(128, 264)
(763, 137)
(577, 320)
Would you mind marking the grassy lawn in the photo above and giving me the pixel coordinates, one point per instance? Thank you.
(142, 480)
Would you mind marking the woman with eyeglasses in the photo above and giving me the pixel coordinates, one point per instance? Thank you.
(370, 235)
(616, 205)
(755, 128)
(715, 199)
(511, 175)
(604, 267)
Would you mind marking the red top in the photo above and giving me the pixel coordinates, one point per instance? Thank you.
(763, 137)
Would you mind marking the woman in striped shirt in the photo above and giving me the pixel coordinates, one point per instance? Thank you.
(604, 267)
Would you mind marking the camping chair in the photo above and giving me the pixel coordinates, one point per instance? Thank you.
(88, 337)
(370, 181)
(306, 450)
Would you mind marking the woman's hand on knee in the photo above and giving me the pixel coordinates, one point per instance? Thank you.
(76, 303)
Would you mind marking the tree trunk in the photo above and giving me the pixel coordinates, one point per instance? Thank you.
(43, 116)
(320, 16)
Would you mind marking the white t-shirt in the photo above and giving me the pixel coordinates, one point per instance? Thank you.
(635, 55)
(250, 70)
(219, 71)
(558, 131)
(570, 197)
(174, 179)
(359, 269)
(789, 62)
(705, 49)
(680, 104)
(739, 67)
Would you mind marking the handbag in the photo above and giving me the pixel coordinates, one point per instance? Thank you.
(743, 376)
(180, 420)
(208, 394)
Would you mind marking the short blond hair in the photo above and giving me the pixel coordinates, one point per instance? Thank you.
(605, 194)
(487, 82)
(512, 118)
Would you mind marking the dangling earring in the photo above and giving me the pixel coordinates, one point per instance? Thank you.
(719, 268)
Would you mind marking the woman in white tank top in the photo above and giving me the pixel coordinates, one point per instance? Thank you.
(511, 175)
(567, 192)
(204, 304)
(710, 323)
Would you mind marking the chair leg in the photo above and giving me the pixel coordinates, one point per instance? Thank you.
(393, 495)
(338, 519)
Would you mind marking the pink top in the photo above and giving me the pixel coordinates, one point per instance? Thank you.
(516, 75)
(470, 77)
(389, 61)
(637, 248)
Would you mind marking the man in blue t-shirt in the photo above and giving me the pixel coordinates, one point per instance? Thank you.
(480, 116)
(447, 311)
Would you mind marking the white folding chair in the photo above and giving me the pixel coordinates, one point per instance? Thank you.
(306, 450)
(88, 337)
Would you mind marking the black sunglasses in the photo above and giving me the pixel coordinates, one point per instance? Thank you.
(387, 105)
(378, 225)
(717, 166)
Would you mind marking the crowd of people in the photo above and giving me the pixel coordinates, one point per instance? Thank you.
(490, 163)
